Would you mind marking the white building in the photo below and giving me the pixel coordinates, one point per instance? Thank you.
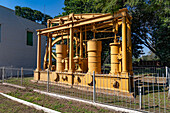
(18, 40)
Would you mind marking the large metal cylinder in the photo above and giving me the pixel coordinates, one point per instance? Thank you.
(60, 55)
(114, 57)
(94, 49)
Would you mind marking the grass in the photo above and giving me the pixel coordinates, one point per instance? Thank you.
(151, 101)
(61, 105)
(9, 106)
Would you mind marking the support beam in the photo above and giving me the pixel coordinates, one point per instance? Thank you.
(50, 51)
(39, 53)
(77, 46)
(124, 45)
(62, 41)
(71, 53)
(81, 43)
(129, 47)
(85, 42)
(94, 31)
(46, 54)
(68, 43)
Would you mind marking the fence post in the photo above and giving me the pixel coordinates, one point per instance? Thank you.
(11, 71)
(94, 87)
(17, 74)
(47, 80)
(3, 74)
(168, 79)
(140, 97)
(166, 68)
(21, 75)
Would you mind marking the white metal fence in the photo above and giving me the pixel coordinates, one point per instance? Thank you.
(151, 88)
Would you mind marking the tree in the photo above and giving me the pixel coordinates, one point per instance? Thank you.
(80, 6)
(150, 24)
(32, 15)
(38, 16)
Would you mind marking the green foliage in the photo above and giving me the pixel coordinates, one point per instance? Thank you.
(162, 44)
(32, 15)
(150, 23)
(110, 6)
(80, 6)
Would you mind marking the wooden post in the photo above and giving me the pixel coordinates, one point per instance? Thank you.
(50, 51)
(39, 52)
(81, 43)
(71, 50)
(124, 45)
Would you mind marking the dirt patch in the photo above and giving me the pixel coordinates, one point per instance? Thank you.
(6, 89)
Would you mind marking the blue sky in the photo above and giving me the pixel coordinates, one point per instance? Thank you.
(52, 7)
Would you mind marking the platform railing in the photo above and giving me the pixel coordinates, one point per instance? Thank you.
(150, 91)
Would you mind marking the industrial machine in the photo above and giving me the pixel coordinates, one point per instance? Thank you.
(77, 58)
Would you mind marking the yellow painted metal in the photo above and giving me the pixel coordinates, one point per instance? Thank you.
(129, 44)
(124, 46)
(39, 53)
(120, 57)
(66, 64)
(81, 43)
(114, 57)
(60, 55)
(50, 52)
(109, 82)
(77, 48)
(94, 55)
(66, 59)
(71, 63)
(36, 75)
(46, 55)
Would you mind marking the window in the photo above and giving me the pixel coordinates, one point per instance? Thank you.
(0, 32)
(29, 38)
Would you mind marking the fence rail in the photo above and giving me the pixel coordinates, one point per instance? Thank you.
(150, 91)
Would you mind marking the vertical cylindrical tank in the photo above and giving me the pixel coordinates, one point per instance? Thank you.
(60, 55)
(114, 57)
(94, 49)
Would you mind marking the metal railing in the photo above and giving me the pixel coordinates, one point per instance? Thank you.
(150, 91)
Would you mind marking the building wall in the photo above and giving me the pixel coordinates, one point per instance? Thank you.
(14, 50)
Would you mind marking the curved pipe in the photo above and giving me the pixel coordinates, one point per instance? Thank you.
(53, 43)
